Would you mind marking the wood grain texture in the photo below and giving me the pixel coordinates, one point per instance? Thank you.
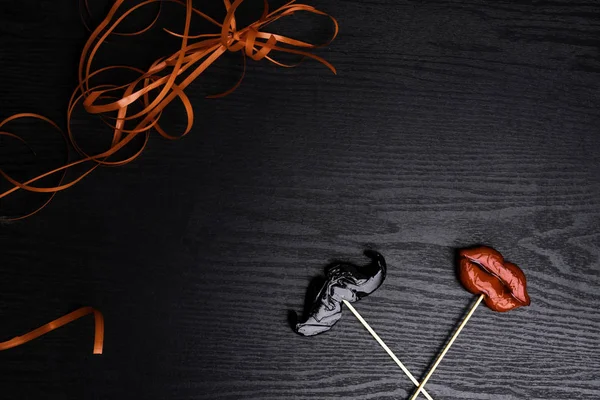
(450, 123)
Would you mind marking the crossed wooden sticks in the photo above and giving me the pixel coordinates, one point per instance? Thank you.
(482, 271)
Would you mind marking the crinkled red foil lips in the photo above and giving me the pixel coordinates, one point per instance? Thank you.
(483, 270)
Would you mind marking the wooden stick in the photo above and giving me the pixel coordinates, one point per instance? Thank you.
(387, 349)
(445, 350)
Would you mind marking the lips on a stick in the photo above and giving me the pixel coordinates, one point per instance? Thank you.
(483, 271)
(502, 285)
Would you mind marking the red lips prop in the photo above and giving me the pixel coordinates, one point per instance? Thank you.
(483, 270)
(502, 285)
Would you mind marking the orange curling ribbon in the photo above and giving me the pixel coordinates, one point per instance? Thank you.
(164, 81)
(57, 323)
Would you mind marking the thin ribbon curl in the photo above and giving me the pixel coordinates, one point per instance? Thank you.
(62, 321)
(164, 81)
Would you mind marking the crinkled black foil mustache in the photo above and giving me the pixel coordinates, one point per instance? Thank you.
(344, 282)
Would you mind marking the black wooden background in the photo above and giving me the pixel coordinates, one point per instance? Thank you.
(450, 123)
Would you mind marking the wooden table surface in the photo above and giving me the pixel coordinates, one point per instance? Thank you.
(450, 123)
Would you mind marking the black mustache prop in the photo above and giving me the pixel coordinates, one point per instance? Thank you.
(344, 282)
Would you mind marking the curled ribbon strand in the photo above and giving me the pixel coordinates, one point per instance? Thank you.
(57, 323)
(164, 81)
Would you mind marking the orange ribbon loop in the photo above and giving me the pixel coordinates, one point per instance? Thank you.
(57, 323)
